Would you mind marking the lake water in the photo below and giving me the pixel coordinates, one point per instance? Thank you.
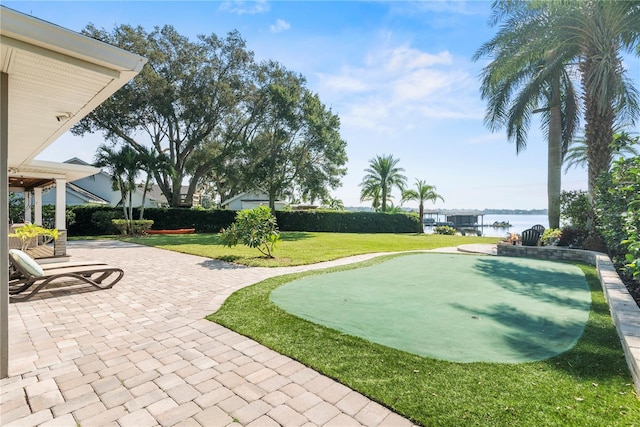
(518, 224)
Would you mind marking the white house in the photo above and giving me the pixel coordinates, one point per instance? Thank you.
(250, 200)
(95, 189)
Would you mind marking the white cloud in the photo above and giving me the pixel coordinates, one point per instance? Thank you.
(242, 7)
(280, 26)
(342, 83)
(395, 86)
(406, 58)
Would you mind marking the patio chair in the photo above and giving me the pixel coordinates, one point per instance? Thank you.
(31, 277)
(539, 228)
(530, 237)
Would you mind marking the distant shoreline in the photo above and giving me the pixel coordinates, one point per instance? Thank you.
(480, 211)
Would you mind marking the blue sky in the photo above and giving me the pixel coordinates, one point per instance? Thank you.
(398, 74)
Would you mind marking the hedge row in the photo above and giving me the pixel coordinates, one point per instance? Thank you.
(95, 220)
(348, 222)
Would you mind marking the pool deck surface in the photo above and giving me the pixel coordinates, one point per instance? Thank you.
(142, 354)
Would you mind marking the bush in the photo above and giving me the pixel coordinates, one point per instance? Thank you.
(444, 229)
(30, 233)
(618, 213)
(103, 221)
(214, 220)
(138, 226)
(255, 228)
(574, 208)
(551, 236)
(348, 222)
(573, 237)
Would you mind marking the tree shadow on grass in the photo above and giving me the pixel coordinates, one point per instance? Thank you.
(293, 236)
(223, 264)
(541, 285)
(533, 337)
(597, 356)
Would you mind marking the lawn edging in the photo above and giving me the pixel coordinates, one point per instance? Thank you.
(624, 310)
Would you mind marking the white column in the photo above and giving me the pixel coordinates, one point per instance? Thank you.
(27, 206)
(4, 225)
(61, 203)
(37, 205)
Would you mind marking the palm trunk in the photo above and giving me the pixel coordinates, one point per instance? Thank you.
(554, 157)
(599, 120)
(144, 196)
(130, 225)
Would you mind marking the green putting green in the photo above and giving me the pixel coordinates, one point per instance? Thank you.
(461, 308)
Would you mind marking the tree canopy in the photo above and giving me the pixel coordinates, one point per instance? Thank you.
(220, 120)
(295, 145)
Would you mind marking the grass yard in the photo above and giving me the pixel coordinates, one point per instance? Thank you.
(588, 385)
(301, 248)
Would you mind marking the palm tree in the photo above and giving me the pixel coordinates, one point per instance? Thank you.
(382, 176)
(621, 146)
(151, 162)
(603, 30)
(124, 167)
(527, 76)
(371, 192)
(422, 193)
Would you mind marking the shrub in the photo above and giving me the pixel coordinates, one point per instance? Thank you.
(49, 216)
(138, 226)
(551, 236)
(29, 233)
(255, 228)
(348, 222)
(618, 213)
(444, 229)
(103, 221)
(574, 208)
(573, 237)
(214, 220)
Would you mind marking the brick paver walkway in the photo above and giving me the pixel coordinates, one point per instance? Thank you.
(141, 354)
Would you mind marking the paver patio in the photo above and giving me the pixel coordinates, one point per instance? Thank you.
(141, 354)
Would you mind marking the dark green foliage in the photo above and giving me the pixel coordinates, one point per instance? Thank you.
(574, 208)
(573, 237)
(49, 216)
(618, 211)
(256, 228)
(16, 208)
(348, 222)
(134, 227)
(204, 221)
(103, 221)
(214, 220)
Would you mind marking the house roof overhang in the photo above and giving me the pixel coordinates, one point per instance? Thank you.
(55, 78)
(41, 173)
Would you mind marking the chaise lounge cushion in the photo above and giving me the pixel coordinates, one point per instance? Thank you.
(26, 263)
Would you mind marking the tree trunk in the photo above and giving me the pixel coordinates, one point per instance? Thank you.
(144, 196)
(421, 212)
(554, 157)
(599, 120)
(272, 202)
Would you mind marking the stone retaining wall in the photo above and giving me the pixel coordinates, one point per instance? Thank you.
(624, 310)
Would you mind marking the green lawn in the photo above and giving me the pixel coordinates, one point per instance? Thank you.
(588, 385)
(300, 248)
